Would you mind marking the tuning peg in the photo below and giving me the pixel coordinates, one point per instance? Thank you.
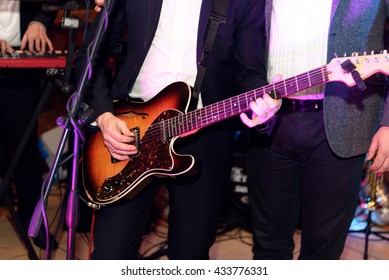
(383, 52)
(365, 53)
(354, 54)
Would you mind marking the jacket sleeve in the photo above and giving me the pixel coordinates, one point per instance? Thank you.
(96, 89)
(250, 48)
(32, 11)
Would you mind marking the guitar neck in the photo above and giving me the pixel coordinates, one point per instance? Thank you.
(236, 105)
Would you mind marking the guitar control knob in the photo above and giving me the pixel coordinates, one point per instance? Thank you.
(108, 189)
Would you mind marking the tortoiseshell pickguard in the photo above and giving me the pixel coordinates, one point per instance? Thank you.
(106, 181)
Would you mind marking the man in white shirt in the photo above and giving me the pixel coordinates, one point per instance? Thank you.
(308, 169)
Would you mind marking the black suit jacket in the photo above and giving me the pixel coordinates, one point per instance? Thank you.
(237, 63)
(32, 11)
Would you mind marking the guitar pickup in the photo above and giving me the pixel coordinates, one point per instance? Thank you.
(136, 143)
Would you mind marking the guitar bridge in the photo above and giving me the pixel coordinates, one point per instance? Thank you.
(136, 143)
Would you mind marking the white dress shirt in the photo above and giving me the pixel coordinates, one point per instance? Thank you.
(10, 22)
(298, 40)
(172, 56)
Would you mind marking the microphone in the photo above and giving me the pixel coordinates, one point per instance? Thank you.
(70, 5)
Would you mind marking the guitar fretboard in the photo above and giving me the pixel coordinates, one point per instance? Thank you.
(235, 105)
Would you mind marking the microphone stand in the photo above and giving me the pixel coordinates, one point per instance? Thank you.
(74, 122)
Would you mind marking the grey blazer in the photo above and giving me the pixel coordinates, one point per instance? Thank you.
(352, 117)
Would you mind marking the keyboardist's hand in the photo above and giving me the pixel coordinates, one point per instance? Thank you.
(4, 47)
(99, 4)
(35, 39)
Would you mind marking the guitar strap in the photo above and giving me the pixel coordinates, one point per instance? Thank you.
(218, 16)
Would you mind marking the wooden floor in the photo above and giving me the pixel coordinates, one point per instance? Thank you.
(231, 244)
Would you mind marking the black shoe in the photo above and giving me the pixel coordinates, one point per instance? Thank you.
(40, 240)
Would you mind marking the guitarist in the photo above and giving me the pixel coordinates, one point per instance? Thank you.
(165, 40)
(310, 167)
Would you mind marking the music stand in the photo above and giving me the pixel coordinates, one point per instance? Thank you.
(75, 120)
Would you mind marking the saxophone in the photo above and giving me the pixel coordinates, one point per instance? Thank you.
(375, 196)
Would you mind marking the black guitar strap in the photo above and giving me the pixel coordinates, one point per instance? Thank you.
(218, 16)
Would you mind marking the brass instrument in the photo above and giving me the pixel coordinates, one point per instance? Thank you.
(375, 196)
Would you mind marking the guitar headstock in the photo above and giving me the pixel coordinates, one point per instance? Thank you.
(365, 65)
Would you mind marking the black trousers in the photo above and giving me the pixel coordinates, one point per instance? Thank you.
(19, 97)
(295, 178)
(195, 205)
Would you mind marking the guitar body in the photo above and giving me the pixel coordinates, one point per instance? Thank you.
(106, 181)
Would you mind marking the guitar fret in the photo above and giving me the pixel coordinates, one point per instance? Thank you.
(297, 85)
(188, 123)
(185, 122)
(274, 89)
(189, 117)
(197, 117)
(175, 125)
(244, 106)
(236, 107)
(212, 116)
(254, 95)
(163, 128)
(173, 128)
(169, 121)
(204, 117)
(224, 108)
(285, 89)
(174, 121)
(292, 86)
(231, 105)
(182, 124)
(322, 74)
(217, 115)
(200, 118)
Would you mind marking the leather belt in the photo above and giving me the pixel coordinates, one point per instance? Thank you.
(299, 105)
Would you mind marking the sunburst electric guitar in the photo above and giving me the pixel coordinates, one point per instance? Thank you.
(159, 122)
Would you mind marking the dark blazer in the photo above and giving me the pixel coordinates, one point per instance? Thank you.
(237, 63)
(352, 117)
